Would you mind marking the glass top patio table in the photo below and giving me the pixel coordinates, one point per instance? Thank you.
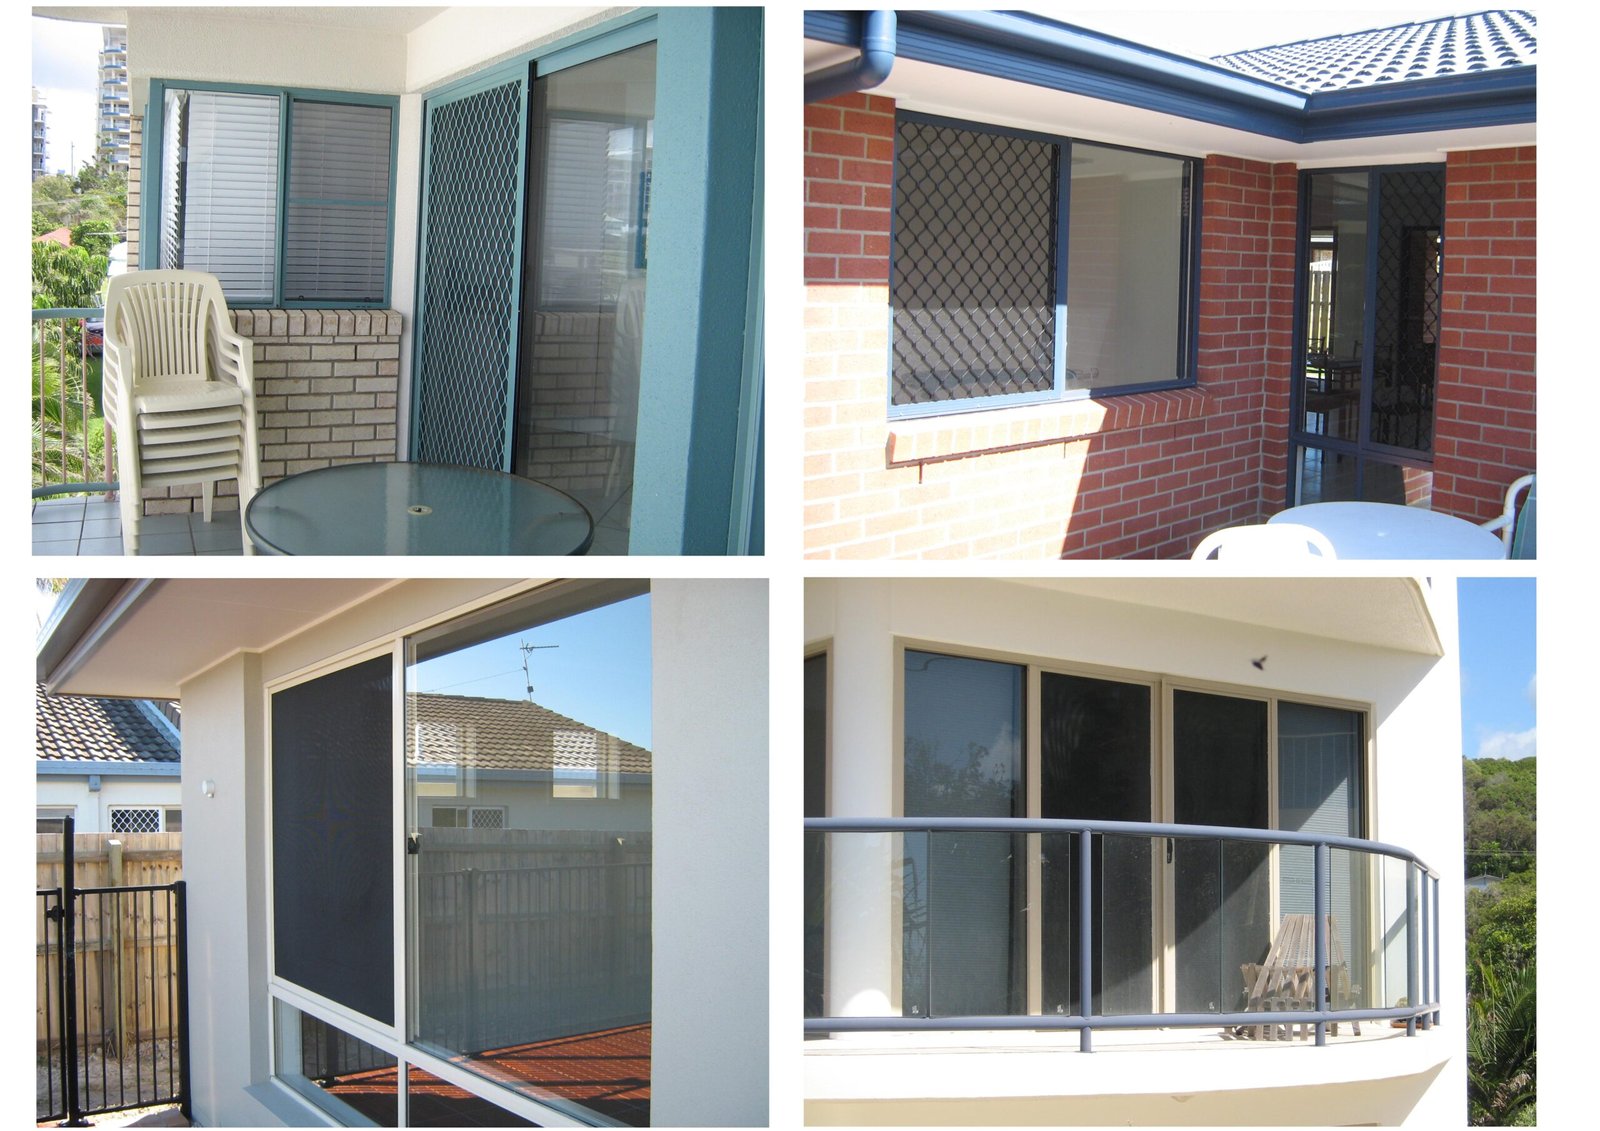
(415, 508)
(1388, 530)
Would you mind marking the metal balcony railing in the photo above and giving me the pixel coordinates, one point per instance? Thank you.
(70, 451)
(1395, 935)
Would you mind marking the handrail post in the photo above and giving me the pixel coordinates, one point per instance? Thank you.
(1319, 934)
(69, 969)
(185, 1088)
(1413, 951)
(1437, 981)
(1085, 933)
(1424, 960)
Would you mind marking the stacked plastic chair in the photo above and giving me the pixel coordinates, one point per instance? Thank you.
(179, 392)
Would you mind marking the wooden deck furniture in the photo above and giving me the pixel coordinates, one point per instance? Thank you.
(1287, 980)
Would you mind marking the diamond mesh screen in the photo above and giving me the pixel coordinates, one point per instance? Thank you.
(1407, 305)
(974, 274)
(469, 273)
(135, 820)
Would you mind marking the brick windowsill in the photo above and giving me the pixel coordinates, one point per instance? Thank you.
(968, 434)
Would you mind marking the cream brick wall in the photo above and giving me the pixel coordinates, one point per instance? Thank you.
(326, 393)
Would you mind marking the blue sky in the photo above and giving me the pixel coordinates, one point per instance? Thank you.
(599, 674)
(1499, 667)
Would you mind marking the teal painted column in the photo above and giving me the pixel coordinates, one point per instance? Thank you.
(697, 316)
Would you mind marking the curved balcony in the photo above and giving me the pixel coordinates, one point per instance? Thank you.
(934, 943)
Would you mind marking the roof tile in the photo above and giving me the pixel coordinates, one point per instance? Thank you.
(1450, 45)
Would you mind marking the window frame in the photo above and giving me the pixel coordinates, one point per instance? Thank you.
(1188, 276)
(163, 814)
(566, 597)
(1162, 736)
(152, 188)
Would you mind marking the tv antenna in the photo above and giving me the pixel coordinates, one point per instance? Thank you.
(527, 678)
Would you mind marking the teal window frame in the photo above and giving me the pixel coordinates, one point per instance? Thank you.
(151, 188)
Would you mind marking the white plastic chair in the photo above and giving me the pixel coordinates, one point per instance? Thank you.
(1267, 542)
(179, 392)
(1514, 523)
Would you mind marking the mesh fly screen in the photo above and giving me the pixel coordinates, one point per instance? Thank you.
(333, 840)
(470, 278)
(974, 273)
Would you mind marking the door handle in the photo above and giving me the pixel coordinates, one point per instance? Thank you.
(1169, 850)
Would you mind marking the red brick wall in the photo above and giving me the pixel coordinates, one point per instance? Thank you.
(1484, 426)
(1141, 475)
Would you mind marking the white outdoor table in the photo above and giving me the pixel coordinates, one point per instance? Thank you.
(1387, 530)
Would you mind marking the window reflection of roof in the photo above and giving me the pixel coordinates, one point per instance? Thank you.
(509, 734)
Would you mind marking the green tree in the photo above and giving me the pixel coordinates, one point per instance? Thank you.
(66, 276)
(1502, 925)
(95, 192)
(1502, 1049)
(97, 237)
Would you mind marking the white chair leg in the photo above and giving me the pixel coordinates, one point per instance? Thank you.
(207, 489)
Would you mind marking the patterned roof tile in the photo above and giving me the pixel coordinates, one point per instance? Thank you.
(510, 734)
(1450, 45)
(80, 728)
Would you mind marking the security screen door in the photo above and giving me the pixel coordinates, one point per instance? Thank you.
(1371, 281)
(534, 254)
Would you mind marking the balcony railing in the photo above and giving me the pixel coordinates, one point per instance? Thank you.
(965, 923)
(70, 449)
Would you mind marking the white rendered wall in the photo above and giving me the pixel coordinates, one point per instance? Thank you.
(93, 808)
(459, 41)
(224, 864)
(709, 1049)
(1415, 711)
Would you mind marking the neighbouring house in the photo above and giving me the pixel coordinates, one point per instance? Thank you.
(525, 239)
(407, 903)
(1072, 296)
(111, 765)
(1208, 735)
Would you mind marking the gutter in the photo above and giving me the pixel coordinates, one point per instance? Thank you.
(1036, 51)
(866, 70)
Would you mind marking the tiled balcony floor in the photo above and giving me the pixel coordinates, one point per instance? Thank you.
(85, 526)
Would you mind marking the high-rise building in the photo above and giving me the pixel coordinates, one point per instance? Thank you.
(116, 122)
(39, 112)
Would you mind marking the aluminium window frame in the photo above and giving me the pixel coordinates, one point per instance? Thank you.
(1162, 737)
(1361, 448)
(152, 189)
(571, 597)
(1188, 275)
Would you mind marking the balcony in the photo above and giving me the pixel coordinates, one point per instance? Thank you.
(74, 510)
(933, 945)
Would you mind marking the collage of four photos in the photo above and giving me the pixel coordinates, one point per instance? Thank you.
(1111, 700)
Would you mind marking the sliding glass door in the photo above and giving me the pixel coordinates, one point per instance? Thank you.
(518, 875)
(1371, 296)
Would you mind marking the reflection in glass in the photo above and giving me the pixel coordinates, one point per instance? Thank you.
(1126, 262)
(587, 254)
(1222, 895)
(816, 804)
(963, 893)
(341, 1074)
(1095, 765)
(528, 808)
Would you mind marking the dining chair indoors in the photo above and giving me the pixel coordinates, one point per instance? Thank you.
(1266, 542)
(179, 392)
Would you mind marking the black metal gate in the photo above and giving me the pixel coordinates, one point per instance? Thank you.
(113, 1001)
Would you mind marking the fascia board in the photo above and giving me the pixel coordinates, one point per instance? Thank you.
(1031, 51)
